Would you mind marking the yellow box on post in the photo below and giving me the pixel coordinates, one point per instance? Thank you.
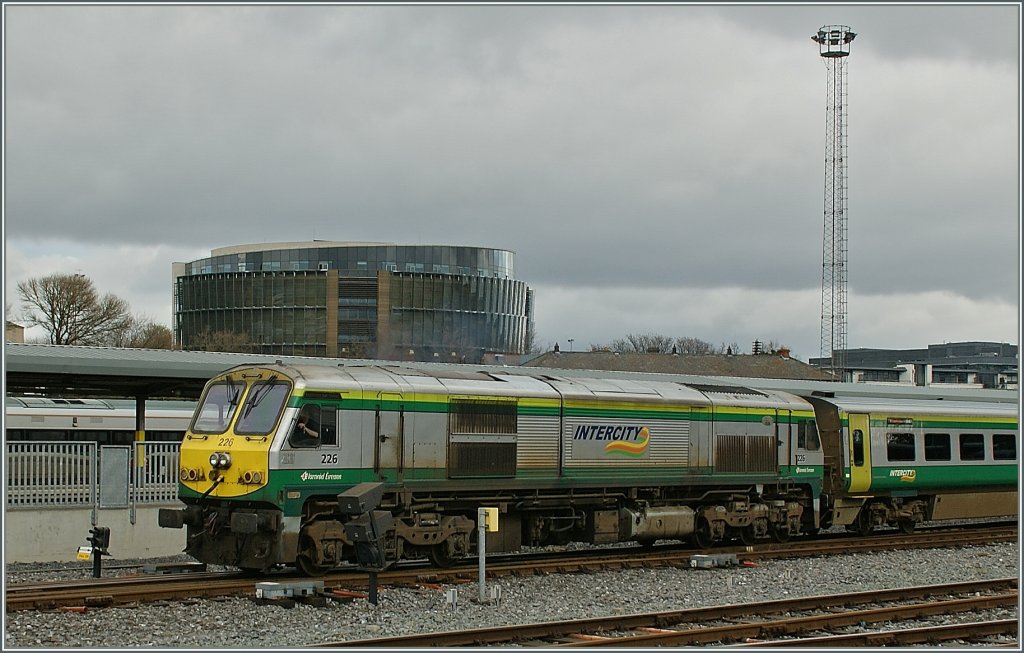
(490, 519)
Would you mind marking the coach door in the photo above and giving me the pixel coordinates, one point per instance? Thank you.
(389, 435)
(859, 452)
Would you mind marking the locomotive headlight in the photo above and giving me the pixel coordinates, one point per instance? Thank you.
(220, 460)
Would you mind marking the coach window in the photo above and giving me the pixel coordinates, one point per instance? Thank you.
(936, 446)
(972, 446)
(900, 446)
(1004, 446)
(858, 448)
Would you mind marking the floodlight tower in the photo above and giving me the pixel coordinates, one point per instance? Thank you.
(834, 46)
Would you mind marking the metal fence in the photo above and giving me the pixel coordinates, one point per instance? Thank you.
(82, 475)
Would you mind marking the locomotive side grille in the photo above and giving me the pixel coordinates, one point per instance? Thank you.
(482, 437)
(745, 453)
(483, 416)
(467, 459)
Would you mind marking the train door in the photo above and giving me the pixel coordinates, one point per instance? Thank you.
(701, 429)
(859, 452)
(389, 435)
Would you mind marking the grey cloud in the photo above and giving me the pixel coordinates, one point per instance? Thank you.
(613, 145)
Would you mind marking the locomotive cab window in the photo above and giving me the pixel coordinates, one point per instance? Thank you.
(972, 446)
(217, 407)
(807, 435)
(262, 407)
(900, 446)
(937, 447)
(1004, 446)
(308, 428)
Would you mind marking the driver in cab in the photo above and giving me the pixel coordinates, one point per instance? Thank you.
(307, 430)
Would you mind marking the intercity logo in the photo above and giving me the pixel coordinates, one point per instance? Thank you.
(905, 475)
(622, 440)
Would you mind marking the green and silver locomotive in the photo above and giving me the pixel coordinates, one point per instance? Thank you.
(273, 450)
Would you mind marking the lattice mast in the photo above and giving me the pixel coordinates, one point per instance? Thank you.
(834, 47)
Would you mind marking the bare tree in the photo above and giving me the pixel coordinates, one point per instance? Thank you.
(70, 309)
(657, 343)
(142, 333)
(688, 345)
(646, 342)
(230, 341)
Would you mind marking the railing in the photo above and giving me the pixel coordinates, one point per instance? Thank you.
(67, 475)
(154, 474)
(45, 474)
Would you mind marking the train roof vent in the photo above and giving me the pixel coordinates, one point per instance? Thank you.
(441, 374)
(725, 389)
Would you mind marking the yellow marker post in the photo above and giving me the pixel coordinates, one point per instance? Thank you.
(486, 521)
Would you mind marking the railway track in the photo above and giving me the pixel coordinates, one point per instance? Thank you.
(104, 592)
(771, 623)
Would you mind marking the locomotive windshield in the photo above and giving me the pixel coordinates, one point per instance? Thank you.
(262, 407)
(217, 407)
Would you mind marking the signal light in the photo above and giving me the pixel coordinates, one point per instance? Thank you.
(99, 537)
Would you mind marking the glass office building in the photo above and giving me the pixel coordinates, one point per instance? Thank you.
(357, 300)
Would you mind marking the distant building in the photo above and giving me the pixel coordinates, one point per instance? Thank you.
(441, 303)
(762, 366)
(954, 364)
(13, 332)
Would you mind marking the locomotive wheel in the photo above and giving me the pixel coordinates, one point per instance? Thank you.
(702, 534)
(906, 526)
(779, 533)
(439, 556)
(308, 567)
(747, 536)
(862, 526)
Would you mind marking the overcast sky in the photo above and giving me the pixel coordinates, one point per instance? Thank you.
(656, 169)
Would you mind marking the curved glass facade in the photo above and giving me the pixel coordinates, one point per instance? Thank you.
(365, 300)
(358, 259)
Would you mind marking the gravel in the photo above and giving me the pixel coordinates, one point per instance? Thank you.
(243, 623)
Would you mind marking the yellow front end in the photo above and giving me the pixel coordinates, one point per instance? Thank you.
(225, 452)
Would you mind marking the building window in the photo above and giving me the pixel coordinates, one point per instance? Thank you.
(881, 375)
(949, 377)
